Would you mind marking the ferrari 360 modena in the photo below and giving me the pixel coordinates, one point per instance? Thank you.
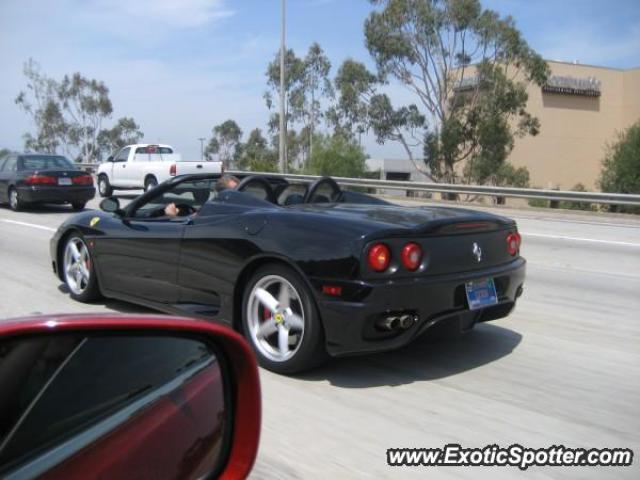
(303, 271)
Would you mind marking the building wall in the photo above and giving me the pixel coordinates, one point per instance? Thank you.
(575, 129)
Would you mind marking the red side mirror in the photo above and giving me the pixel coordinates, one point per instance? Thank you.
(117, 395)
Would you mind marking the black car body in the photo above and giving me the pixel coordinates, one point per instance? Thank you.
(41, 178)
(204, 264)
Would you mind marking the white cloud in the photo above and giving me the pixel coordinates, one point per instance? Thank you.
(161, 13)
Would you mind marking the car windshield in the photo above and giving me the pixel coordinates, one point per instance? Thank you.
(190, 194)
(44, 162)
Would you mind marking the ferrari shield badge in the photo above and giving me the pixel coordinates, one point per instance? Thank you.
(94, 221)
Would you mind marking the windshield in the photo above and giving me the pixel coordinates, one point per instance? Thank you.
(45, 162)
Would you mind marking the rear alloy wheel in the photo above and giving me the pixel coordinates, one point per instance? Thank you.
(150, 183)
(77, 206)
(78, 270)
(104, 187)
(14, 200)
(281, 321)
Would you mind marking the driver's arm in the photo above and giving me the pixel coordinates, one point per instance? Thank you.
(171, 210)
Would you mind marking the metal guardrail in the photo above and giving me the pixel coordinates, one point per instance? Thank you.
(529, 193)
(587, 197)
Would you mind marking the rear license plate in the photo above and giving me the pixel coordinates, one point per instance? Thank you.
(64, 181)
(481, 293)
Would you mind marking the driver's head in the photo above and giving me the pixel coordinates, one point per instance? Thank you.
(226, 182)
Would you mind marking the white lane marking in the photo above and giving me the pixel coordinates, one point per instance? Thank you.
(579, 239)
(25, 224)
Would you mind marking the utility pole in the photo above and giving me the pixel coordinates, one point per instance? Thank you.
(202, 139)
(283, 133)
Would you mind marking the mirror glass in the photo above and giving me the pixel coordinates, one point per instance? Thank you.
(68, 400)
(110, 205)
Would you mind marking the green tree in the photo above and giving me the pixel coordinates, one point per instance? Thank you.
(125, 132)
(256, 155)
(225, 142)
(338, 156)
(621, 167)
(460, 62)
(294, 102)
(40, 102)
(315, 85)
(86, 102)
(68, 114)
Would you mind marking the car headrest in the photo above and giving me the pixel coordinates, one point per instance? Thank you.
(294, 199)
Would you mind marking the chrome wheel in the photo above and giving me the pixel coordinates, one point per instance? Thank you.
(275, 318)
(77, 265)
(13, 199)
(103, 187)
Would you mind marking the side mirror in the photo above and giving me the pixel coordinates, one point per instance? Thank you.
(103, 396)
(110, 158)
(110, 205)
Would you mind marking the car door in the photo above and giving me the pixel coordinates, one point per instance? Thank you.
(119, 172)
(138, 257)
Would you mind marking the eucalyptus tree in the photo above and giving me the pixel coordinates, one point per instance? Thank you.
(225, 141)
(467, 69)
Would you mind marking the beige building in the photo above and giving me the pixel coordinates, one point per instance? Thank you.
(581, 109)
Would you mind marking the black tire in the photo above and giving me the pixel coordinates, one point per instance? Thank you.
(78, 206)
(150, 182)
(311, 350)
(91, 290)
(104, 187)
(15, 203)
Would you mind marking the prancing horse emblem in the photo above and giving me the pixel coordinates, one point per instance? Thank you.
(477, 251)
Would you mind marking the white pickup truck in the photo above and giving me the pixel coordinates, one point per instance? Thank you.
(144, 166)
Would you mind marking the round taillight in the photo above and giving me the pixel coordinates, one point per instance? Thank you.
(379, 257)
(513, 243)
(411, 256)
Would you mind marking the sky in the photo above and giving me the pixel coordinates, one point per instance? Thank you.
(179, 67)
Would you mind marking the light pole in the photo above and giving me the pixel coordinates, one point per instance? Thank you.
(202, 139)
(283, 133)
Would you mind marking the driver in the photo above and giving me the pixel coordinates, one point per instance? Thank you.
(225, 182)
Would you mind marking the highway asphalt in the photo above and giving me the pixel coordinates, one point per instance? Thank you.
(563, 369)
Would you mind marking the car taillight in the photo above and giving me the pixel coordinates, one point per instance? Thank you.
(40, 180)
(379, 257)
(411, 256)
(172, 170)
(513, 243)
(82, 180)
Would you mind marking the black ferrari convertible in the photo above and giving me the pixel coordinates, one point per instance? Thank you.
(303, 271)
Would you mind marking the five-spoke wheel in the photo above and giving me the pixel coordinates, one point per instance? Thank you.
(281, 320)
(78, 271)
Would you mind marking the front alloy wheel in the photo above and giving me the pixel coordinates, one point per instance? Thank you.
(281, 322)
(78, 270)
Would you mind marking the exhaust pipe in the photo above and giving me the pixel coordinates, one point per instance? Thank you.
(407, 321)
(389, 323)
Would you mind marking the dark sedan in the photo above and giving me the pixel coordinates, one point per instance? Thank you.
(302, 271)
(38, 178)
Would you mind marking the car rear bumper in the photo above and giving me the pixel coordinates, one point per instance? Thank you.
(55, 194)
(350, 326)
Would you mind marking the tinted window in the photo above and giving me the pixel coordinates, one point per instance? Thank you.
(44, 162)
(55, 387)
(153, 149)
